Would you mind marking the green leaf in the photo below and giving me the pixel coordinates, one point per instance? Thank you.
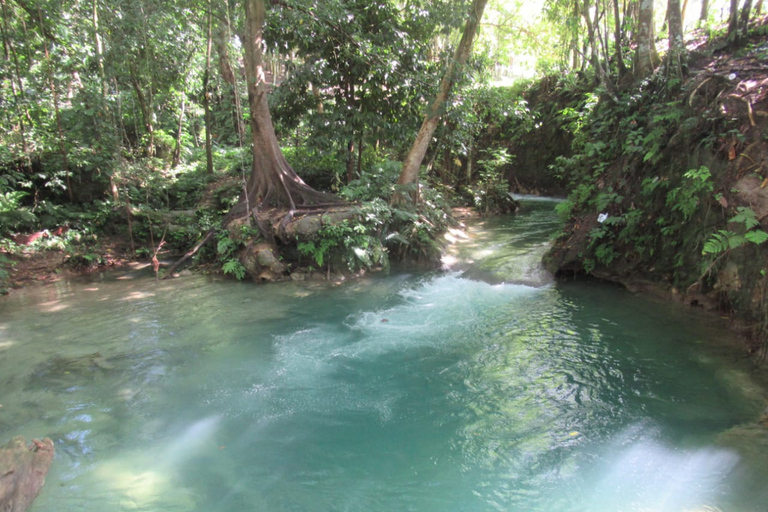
(756, 236)
(235, 268)
(746, 216)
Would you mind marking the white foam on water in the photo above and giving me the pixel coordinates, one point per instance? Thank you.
(647, 475)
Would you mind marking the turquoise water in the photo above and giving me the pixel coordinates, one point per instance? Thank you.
(482, 388)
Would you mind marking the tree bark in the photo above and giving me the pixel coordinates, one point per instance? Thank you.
(676, 44)
(207, 96)
(646, 58)
(733, 23)
(221, 38)
(618, 40)
(575, 54)
(704, 15)
(146, 112)
(176, 160)
(410, 172)
(746, 11)
(594, 40)
(99, 48)
(351, 161)
(272, 182)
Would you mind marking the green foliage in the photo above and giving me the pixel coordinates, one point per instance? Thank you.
(352, 242)
(5, 274)
(13, 215)
(234, 268)
(376, 183)
(490, 193)
(226, 248)
(725, 240)
(686, 198)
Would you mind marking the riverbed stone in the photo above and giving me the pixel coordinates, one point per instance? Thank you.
(22, 472)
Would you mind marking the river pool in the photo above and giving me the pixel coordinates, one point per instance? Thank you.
(486, 387)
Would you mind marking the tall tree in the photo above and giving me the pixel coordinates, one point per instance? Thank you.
(221, 39)
(272, 181)
(618, 36)
(410, 172)
(746, 11)
(733, 23)
(676, 45)
(207, 92)
(704, 14)
(646, 57)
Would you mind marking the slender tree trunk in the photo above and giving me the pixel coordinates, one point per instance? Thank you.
(119, 104)
(576, 20)
(618, 40)
(18, 91)
(746, 11)
(704, 14)
(318, 98)
(733, 23)
(646, 58)
(207, 96)
(350, 161)
(57, 112)
(99, 47)
(146, 112)
(682, 13)
(272, 181)
(676, 45)
(177, 149)
(221, 39)
(759, 8)
(360, 156)
(594, 41)
(410, 172)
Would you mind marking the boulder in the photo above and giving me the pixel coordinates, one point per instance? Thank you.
(260, 262)
(22, 472)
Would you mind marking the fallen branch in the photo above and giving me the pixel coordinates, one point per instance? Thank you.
(190, 253)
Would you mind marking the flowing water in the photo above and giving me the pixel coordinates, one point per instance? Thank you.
(483, 388)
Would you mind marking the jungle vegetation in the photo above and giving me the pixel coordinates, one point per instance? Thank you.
(165, 124)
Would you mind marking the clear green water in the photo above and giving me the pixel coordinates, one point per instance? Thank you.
(442, 392)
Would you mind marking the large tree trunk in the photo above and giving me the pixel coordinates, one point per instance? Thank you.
(676, 46)
(646, 58)
(410, 172)
(272, 182)
(746, 11)
(733, 23)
